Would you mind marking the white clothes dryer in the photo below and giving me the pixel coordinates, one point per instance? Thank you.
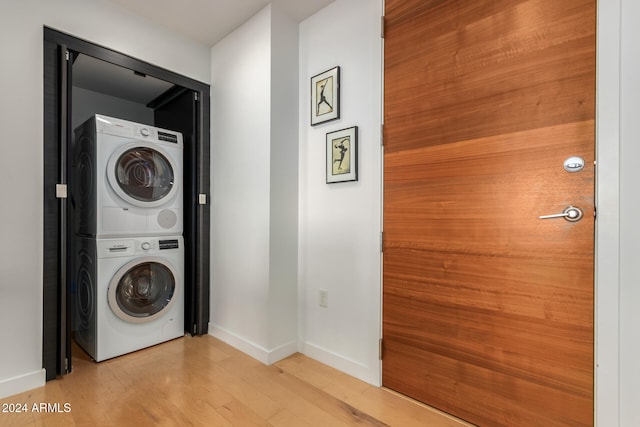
(127, 179)
(128, 293)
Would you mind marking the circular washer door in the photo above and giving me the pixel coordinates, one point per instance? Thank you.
(143, 289)
(142, 175)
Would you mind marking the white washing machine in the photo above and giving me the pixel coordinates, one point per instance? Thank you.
(127, 179)
(128, 293)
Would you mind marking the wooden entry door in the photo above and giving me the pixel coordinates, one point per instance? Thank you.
(488, 309)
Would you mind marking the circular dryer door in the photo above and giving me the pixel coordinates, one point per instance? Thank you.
(143, 290)
(142, 175)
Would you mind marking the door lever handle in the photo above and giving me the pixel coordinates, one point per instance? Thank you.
(571, 214)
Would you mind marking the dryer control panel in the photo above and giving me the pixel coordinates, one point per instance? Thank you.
(125, 128)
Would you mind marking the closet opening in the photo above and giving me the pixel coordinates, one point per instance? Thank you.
(82, 79)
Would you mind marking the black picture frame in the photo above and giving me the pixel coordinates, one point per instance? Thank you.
(325, 96)
(342, 155)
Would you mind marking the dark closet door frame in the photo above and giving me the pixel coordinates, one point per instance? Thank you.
(56, 307)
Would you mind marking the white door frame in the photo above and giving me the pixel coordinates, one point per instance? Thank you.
(607, 243)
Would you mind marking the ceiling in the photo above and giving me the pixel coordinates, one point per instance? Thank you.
(110, 79)
(205, 21)
(209, 21)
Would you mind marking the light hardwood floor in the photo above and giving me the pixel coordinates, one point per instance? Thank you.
(200, 381)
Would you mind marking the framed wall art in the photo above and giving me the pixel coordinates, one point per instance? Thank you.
(325, 96)
(342, 155)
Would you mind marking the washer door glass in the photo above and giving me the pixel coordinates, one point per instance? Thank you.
(144, 174)
(142, 292)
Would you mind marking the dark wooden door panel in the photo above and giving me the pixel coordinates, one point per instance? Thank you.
(487, 309)
(461, 70)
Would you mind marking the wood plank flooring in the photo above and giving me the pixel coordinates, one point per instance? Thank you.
(201, 381)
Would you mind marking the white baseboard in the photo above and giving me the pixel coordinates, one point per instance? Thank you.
(268, 357)
(341, 363)
(22, 383)
(260, 353)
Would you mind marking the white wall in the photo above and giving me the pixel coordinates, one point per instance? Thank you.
(255, 243)
(284, 182)
(339, 224)
(254, 187)
(21, 163)
(86, 101)
(240, 142)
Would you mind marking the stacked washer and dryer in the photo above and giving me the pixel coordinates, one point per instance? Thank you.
(129, 257)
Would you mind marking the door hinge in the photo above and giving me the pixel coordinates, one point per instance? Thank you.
(61, 191)
(382, 135)
(195, 329)
(66, 55)
(202, 199)
(380, 349)
(382, 241)
(382, 26)
(66, 365)
(195, 96)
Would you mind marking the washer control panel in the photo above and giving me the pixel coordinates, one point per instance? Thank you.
(169, 244)
(109, 248)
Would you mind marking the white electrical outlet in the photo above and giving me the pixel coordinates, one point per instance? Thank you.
(323, 298)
